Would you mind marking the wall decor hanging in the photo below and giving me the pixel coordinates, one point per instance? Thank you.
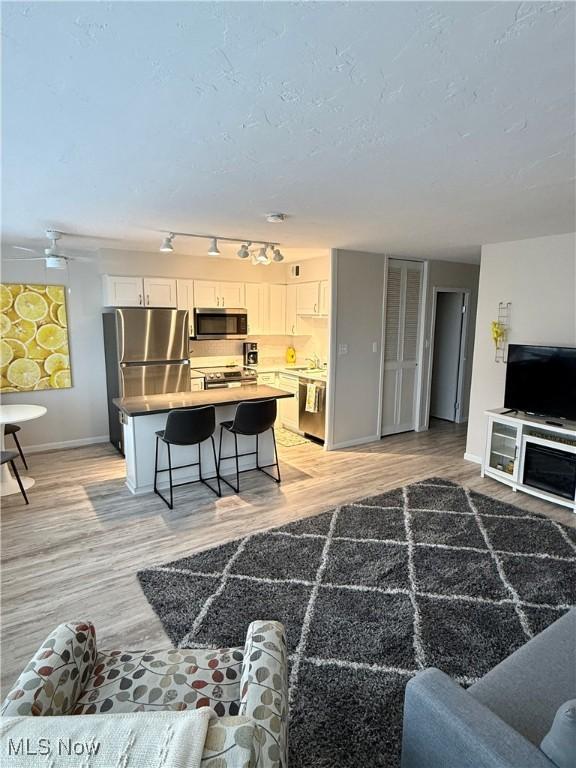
(500, 330)
(34, 350)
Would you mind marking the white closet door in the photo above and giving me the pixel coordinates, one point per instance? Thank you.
(401, 343)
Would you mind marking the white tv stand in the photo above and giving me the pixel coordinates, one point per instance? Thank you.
(508, 438)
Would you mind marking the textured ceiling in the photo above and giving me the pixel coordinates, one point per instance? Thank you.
(421, 129)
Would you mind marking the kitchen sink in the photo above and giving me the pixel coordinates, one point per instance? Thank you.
(304, 370)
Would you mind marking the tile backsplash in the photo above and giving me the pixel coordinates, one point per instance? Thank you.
(271, 349)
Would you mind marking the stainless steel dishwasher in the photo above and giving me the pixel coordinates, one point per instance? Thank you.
(313, 424)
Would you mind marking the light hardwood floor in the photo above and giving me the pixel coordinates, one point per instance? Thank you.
(74, 551)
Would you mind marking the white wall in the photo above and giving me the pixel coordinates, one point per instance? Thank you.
(78, 414)
(358, 284)
(317, 268)
(116, 262)
(539, 277)
(447, 274)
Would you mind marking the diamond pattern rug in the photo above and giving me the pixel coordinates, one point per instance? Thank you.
(427, 575)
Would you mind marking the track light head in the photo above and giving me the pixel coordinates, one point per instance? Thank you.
(262, 257)
(167, 246)
(213, 250)
(243, 252)
(277, 256)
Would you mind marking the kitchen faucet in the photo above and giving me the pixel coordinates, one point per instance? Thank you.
(315, 360)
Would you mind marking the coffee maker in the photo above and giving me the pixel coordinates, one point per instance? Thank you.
(250, 353)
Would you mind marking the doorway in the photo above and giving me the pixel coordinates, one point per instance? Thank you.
(448, 354)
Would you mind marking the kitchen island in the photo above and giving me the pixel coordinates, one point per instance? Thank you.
(142, 417)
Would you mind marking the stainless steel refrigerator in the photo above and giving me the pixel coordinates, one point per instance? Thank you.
(146, 353)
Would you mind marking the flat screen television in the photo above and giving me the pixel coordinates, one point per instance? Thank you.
(541, 380)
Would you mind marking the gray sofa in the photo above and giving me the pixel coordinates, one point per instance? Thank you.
(499, 721)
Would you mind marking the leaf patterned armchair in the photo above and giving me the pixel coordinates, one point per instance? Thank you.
(246, 687)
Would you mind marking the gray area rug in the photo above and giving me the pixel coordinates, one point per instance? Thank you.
(371, 592)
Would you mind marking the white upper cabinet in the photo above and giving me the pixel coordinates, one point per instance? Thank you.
(185, 296)
(257, 307)
(324, 298)
(276, 310)
(266, 306)
(307, 298)
(291, 315)
(232, 295)
(208, 293)
(160, 292)
(122, 291)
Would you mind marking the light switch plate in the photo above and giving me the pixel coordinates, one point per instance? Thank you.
(342, 349)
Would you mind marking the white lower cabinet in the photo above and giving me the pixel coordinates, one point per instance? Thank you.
(267, 378)
(289, 406)
(270, 380)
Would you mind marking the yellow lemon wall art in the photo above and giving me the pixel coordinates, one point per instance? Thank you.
(34, 351)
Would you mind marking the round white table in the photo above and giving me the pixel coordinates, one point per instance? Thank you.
(14, 414)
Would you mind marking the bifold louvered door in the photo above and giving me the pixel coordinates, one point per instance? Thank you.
(401, 343)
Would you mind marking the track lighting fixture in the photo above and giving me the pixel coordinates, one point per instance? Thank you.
(213, 250)
(166, 246)
(243, 252)
(259, 257)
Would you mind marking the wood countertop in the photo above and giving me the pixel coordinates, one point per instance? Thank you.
(141, 406)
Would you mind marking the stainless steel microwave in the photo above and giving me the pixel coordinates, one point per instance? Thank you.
(211, 323)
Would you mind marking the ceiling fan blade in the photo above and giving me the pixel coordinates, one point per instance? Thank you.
(21, 248)
(28, 258)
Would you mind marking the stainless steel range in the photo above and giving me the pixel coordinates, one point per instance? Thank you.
(227, 376)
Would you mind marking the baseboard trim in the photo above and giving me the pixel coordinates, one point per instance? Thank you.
(65, 444)
(473, 458)
(357, 441)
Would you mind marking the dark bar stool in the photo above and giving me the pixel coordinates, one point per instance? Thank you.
(189, 426)
(8, 457)
(11, 429)
(252, 418)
